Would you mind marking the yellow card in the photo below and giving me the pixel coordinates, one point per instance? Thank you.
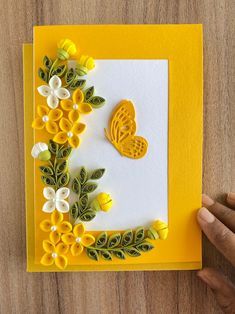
(123, 198)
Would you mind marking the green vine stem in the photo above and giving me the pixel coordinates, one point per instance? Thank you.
(53, 66)
(119, 248)
(83, 185)
(55, 173)
(131, 242)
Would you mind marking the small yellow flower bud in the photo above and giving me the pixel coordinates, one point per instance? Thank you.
(66, 48)
(158, 229)
(44, 156)
(81, 70)
(87, 62)
(103, 202)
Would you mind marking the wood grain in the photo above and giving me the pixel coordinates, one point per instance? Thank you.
(137, 292)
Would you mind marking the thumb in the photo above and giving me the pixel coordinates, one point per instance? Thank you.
(221, 236)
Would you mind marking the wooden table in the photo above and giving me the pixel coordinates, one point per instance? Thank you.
(137, 292)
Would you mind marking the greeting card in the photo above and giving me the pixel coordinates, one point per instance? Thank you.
(113, 147)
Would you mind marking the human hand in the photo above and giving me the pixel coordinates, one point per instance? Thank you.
(218, 223)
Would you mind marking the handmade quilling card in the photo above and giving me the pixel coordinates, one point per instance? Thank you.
(113, 147)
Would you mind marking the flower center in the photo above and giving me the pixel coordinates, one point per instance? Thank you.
(78, 239)
(75, 107)
(45, 118)
(53, 228)
(54, 255)
(69, 134)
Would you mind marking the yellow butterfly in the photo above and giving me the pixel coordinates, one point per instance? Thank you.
(122, 129)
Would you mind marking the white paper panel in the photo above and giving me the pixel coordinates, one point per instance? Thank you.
(138, 187)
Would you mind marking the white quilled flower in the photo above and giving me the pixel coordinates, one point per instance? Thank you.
(56, 200)
(54, 92)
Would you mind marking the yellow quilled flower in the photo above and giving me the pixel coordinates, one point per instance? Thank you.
(78, 239)
(70, 132)
(47, 119)
(76, 106)
(56, 226)
(54, 254)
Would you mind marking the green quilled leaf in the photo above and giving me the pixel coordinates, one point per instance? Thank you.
(83, 201)
(101, 240)
(88, 93)
(127, 237)
(46, 170)
(145, 247)
(96, 101)
(76, 186)
(89, 187)
(64, 152)
(61, 167)
(60, 70)
(132, 252)
(47, 62)
(91, 253)
(77, 84)
(97, 174)
(114, 240)
(69, 76)
(48, 180)
(83, 175)
(139, 234)
(74, 211)
(43, 75)
(88, 215)
(63, 180)
(53, 147)
(106, 255)
(119, 254)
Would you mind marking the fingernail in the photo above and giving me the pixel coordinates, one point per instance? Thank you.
(231, 196)
(205, 215)
(206, 200)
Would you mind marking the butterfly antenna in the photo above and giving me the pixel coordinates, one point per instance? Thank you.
(107, 135)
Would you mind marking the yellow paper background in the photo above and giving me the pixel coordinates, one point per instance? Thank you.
(182, 46)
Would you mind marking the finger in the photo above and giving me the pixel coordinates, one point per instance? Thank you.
(222, 237)
(231, 199)
(223, 289)
(223, 213)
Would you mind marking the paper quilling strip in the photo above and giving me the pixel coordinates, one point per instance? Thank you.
(67, 101)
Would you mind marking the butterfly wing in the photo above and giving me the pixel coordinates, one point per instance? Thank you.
(122, 129)
(135, 147)
(122, 123)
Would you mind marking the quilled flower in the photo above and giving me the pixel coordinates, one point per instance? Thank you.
(103, 201)
(87, 62)
(54, 91)
(56, 200)
(69, 133)
(46, 118)
(76, 106)
(56, 226)
(78, 239)
(40, 151)
(54, 254)
(66, 48)
(158, 230)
